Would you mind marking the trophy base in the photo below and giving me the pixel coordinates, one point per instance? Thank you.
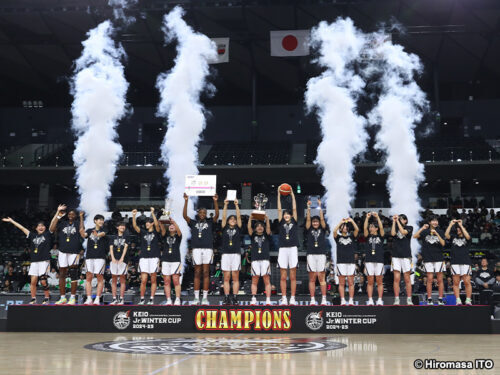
(165, 220)
(259, 215)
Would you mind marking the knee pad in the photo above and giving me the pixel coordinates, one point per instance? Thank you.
(46, 286)
(74, 274)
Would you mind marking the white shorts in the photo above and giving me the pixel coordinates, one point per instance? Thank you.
(401, 264)
(67, 260)
(39, 268)
(316, 263)
(230, 262)
(119, 268)
(432, 267)
(346, 269)
(149, 265)
(202, 256)
(95, 266)
(171, 268)
(461, 269)
(288, 257)
(261, 268)
(374, 269)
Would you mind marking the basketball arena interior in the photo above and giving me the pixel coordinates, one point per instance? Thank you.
(249, 187)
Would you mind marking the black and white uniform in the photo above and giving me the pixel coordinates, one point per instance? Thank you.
(346, 247)
(97, 249)
(316, 249)
(171, 255)
(149, 257)
(374, 255)
(202, 241)
(288, 255)
(40, 246)
(70, 243)
(401, 250)
(231, 248)
(460, 259)
(259, 255)
(119, 242)
(432, 251)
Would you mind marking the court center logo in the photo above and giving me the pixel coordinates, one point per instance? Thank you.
(217, 346)
(314, 320)
(121, 320)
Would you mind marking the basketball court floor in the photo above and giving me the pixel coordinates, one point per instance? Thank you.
(235, 354)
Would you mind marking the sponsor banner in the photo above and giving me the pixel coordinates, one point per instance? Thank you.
(12, 299)
(262, 319)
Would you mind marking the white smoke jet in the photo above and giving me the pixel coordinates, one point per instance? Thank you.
(399, 109)
(119, 7)
(180, 91)
(333, 95)
(99, 89)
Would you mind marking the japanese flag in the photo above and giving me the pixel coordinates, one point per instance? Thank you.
(290, 43)
(222, 51)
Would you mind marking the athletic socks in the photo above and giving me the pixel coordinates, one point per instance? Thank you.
(197, 294)
(205, 294)
(268, 301)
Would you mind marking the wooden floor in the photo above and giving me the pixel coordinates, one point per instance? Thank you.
(65, 353)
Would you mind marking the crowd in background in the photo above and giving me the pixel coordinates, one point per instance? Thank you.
(482, 224)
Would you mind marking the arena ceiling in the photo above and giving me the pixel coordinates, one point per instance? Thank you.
(458, 41)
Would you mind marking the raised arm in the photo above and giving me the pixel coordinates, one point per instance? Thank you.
(280, 213)
(224, 213)
(82, 225)
(321, 215)
(17, 225)
(393, 227)
(464, 231)
(216, 207)
(365, 224)
(419, 232)
(380, 225)
(177, 229)
(249, 225)
(155, 220)
(238, 213)
(336, 229)
(268, 226)
(57, 216)
(134, 221)
(448, 230)
(356, 228)
(308, 215)
(403, 231)
(185, 210)
(294, 206)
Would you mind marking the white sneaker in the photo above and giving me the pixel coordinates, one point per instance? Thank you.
(253, 301)
(409, 302)
(151, 301)
(88, 301)
(312, 303)
(177, 302)
(169, 302)
(380, 302)
(97, 300)
(283, 301)
(121, 301)
(268, 301)
(459, 302)
(205, 302)
(396, 301)
(292, 301)
(196, 301)
(369, 302)
(343, 302)
(142, 301)
(114, 301)
(324, 302)
(351, 302)
(468, 302)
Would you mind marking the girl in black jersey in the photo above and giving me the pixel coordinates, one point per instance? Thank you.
(460, 260)
(171, 263)
(40, 245)
(118, 250)
(374, 256)
(401, 261)
(260, 258)
(231, 253)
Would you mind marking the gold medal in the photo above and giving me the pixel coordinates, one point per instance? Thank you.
(316, 244)
(95, 246)
(230, 243)
(67, 239)
(373, 251)
(119, 249)
(36, 250)
(149, 248)
(260, 250)
(170, 250)
(287, 237)
(199, 234)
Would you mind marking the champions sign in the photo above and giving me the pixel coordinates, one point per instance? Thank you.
(243, 320)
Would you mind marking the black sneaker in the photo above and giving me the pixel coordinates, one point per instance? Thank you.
(234, 300)
(429, 302)
(440, 302)
(33, 301)
(45, 301)
(142, 301)
(227, 300)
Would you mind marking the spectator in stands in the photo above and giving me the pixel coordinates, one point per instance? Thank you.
(496, 285)
(484, 277)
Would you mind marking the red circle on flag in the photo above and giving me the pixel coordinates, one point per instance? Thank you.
(290, 42)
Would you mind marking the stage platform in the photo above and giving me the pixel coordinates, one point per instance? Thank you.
(264, 319)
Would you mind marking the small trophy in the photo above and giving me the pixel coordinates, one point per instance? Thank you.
(166, 216)
(260, 203)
